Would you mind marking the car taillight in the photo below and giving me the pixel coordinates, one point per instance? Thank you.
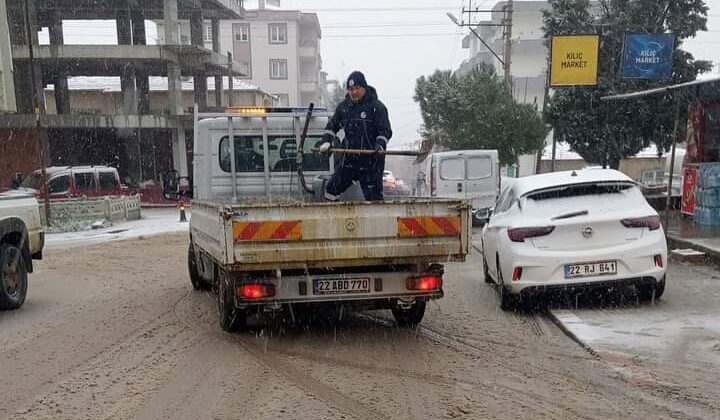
(424, 283)
(517, 273)
(520, 234)
(256, 291)
(650, 222)
(659, 261)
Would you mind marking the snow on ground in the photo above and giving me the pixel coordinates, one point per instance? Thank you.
(683, 326)
(153, 222)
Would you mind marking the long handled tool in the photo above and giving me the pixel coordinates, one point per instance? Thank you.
(371, 152)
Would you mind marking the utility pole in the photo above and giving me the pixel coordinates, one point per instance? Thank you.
(505, 23)
(507, 34)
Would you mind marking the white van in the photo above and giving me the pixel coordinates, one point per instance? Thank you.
(470, 174)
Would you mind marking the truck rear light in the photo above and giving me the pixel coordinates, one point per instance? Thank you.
(520, 234)
(424, 283)
(256, 291)
(517, 273)
(659, 261)
(650, 222)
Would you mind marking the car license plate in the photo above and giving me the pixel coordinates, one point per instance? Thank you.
(340, 286)
(600, 268)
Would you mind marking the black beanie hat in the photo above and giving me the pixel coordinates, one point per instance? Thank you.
(356, 78)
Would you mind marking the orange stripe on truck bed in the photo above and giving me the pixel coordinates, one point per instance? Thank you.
(267, 231)
(428, 226)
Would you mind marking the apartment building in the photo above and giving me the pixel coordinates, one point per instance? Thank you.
(277, 50)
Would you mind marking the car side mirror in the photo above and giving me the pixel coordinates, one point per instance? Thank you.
(171, 186)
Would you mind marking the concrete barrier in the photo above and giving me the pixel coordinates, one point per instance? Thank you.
(77, 213)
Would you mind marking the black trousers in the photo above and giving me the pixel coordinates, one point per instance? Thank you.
(370, 181)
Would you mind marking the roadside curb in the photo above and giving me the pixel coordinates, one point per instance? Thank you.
(711, 255)
(553, 317)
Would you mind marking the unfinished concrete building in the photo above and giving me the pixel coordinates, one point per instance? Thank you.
(140, 140)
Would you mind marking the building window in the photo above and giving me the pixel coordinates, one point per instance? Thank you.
(278, 69)
(277, 33)
(242, 33)
(207, 32)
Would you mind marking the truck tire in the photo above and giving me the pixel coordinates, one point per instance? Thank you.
(198, 282)
(232, 319)
(13, 277)
(410, 317)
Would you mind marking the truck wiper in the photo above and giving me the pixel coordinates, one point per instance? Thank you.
(571, 215)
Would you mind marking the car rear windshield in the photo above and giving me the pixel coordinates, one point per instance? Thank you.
(579, 190)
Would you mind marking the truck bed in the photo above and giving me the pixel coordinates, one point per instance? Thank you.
(283, 234)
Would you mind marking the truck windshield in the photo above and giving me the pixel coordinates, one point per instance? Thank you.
(282, 151)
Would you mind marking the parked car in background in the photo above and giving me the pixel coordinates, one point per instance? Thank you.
(75, 181)
(470, 174)
(393, 186)
(573, 230)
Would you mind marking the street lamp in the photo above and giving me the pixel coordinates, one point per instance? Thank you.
(454, 19)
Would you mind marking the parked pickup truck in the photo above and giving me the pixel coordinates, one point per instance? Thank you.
(261, 237)
(22, 239)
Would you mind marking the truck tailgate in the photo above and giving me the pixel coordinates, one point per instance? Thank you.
(305, 235)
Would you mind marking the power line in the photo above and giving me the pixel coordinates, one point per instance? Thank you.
(389, 35)
(380, 9)
(386, 25)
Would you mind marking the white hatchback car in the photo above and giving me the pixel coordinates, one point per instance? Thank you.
(573, 230)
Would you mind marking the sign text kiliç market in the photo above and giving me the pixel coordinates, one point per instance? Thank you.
(574, 60)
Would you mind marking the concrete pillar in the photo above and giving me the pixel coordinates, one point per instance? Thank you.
(129, 91)
(174, 89)
(124, 27)
(23, 72)
(196, 39)
(137, 18)
(142, 84)
(170, 15)
(172, 37)
(7, 83)
(179, 150)
(127, 77)
(219, 88)
(62, 92)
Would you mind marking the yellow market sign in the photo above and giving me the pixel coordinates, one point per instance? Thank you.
(574, 60)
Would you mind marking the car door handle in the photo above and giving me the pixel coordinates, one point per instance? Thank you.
(459, 186)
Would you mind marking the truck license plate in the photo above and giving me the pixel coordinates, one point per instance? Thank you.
(599, 268)
(340, 286)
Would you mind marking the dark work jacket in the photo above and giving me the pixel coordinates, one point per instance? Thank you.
(366, 126)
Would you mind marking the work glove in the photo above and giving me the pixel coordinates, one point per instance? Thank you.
(325, 147)
(379, 148)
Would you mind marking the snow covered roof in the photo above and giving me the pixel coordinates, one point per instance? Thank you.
(524, 185)
(157, 84)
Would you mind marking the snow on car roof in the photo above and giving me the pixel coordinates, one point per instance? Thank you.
(527, 184)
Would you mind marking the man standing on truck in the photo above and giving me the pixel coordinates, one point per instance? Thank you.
(367, 127)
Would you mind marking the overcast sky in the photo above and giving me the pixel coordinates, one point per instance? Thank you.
(395, 42)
